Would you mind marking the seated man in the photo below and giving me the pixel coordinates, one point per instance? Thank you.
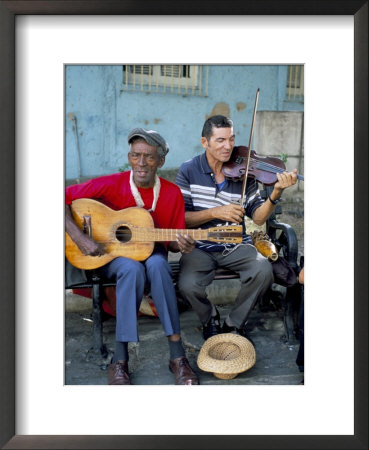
(143, 188)
(210, 200)
(300, 354)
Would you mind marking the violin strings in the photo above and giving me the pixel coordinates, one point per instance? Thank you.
(267, 166)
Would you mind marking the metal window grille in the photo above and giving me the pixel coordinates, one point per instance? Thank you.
(295, 82)
(180, 79)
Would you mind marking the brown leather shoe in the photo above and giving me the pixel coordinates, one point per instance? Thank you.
(118, 373)
(182, 371)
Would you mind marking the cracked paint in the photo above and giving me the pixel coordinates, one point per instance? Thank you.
(221, 108)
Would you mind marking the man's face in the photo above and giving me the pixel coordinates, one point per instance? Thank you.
(220, 145)
(144, 160)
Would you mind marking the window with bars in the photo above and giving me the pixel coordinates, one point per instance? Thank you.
(166, 78)
(295, 82)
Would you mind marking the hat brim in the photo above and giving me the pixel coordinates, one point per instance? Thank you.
(151, 137)
(226, 354)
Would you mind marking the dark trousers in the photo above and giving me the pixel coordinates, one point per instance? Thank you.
(197, 271)
(300, 354)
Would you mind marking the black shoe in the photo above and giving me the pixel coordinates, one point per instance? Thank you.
(227, 329)
(212, 327)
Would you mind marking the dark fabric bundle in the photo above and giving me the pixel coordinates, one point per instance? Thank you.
(284, 273)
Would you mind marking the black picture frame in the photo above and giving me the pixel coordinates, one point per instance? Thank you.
(8, 11)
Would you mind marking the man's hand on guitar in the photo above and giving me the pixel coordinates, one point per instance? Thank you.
(84, 242)
(229, 213)
(89, 247)
(185, 243)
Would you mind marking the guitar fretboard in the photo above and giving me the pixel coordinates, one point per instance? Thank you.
(162, 234)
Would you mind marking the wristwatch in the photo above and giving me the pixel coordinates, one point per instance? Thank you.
(274, 202)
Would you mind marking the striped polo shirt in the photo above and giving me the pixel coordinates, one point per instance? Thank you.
(200, 191)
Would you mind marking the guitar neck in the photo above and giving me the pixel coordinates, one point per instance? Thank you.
(163, 234)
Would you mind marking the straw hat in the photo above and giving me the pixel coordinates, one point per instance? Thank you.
(226, 355)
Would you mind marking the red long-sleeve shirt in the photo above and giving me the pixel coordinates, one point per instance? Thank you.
(114, 191)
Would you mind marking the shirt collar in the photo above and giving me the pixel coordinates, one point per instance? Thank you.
(204, 164)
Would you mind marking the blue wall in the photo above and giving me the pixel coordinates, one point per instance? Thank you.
(105, 113)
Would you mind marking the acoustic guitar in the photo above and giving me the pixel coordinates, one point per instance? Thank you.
(129, 232)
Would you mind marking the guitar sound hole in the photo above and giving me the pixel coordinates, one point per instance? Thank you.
(123, 234)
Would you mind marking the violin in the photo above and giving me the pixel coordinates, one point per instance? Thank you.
(263, 168)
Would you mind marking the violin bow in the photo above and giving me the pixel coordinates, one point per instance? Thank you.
(243, 191)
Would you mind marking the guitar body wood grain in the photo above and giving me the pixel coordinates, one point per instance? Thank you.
(104, 225)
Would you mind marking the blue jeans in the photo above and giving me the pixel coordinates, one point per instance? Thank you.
(131, 277)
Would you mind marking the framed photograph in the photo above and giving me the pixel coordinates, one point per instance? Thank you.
(37, 409)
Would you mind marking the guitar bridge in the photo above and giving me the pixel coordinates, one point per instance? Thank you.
(87, 225)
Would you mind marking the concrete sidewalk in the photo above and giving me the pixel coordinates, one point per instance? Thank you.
(275, 360)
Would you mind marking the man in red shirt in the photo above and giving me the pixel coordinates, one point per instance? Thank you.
(140, 187)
